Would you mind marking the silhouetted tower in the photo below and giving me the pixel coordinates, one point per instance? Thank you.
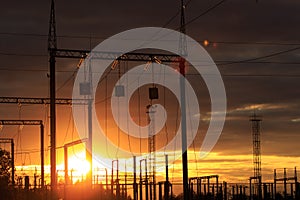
(52, 47)
(255, 122)
(183, 52)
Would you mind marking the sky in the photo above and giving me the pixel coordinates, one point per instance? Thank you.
(254, 45)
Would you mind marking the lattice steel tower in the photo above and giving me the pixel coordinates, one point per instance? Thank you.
(255, 122)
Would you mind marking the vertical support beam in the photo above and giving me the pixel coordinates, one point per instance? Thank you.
(154, 183)
(167, 167)
(52, 46)
(125, 180)
(146, 181)
(112, 179)
(208, 185)
(160, 191)
(171, 189)
(141, 188)
(118, 183)
(135, 191)
(89, 143)
(292, 190)
(183, 131)
(241, 191)
(272, 191)
(191, 187)
(106, 179)
(52, 121)
(183, 51)
(284, 183)
(217, 180)
(259, 188)
(225, 190)
(198, 187)
(66, 165)
(296, 183)
(166, 187)
(42, 156)
(220, 195)
(12, 162)
(141, 178)
(275, 179)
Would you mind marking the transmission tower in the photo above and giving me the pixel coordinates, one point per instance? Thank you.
(255, 122)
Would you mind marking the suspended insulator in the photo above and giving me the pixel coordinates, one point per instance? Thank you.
(85, 88)
(153, 93)
(119, 91)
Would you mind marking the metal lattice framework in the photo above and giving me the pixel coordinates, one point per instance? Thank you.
(21, 122)
(139, 57)
(255, 122)
(66, 157)
(27, 100)
(31, 123)
(55, 52)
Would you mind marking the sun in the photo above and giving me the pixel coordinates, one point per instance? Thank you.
(78, 164)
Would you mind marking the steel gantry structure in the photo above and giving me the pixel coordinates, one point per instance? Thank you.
(28, 100)
(55, 52)
(31, 123)
(66, 157)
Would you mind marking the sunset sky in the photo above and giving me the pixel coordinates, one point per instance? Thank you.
(256, 47)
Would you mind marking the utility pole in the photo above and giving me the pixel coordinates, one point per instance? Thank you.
(152, 147)
(135, 187)
(52, 46)
(183, 52)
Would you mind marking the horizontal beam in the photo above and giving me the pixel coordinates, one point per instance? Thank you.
(6, 140)
(27, 100)
(67, 53)
(21, 122)
(75, 143)
(203, 177)
(141, 57)
(286, 179)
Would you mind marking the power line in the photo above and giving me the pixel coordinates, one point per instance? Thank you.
(220, 62)
(256, 43)
(46, 35)
(271, 43)
(204, 13)
(20, 54)
(261, 57)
